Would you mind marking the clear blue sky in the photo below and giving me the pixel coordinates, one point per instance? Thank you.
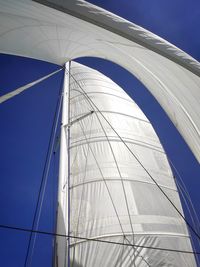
(26, 122)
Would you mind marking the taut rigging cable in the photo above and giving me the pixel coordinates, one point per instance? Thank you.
(97, 240)
(46, 168)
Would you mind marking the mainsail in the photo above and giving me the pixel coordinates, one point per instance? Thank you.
(112, 197)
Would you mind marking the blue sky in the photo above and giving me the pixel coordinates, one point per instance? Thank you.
(26, 123)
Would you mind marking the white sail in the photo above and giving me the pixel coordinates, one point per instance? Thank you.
(112, 198)
(69, 29)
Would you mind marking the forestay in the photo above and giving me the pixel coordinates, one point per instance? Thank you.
(69, 29)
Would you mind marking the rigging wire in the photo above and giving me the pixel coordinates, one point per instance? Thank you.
(137, 159)
(54, 209)
(97, 240)
(45, 170)
(41, 203)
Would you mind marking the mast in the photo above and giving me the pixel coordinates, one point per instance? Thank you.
(68, 164)
(62, 258)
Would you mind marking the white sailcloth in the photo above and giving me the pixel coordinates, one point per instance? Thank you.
(74, 28)
(112, 197)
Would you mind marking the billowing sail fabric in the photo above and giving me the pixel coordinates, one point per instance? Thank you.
(66, 30)
(112, 196)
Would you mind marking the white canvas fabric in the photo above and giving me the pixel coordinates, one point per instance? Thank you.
(23, 88)
(112, 198)
(66, 30)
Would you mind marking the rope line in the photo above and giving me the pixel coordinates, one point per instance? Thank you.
(97, 240)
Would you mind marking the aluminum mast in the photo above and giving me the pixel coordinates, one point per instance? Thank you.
(63, 215)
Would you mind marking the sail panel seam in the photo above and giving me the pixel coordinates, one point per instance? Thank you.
(130, 234)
